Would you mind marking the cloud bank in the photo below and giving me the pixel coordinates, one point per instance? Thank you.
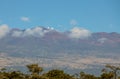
(37, 32)
(4, 30)
(79, 33)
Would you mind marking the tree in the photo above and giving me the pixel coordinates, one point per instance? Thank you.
(34, 68)
(114, 69)
(83, 75)
(58, 74)
(107, 75)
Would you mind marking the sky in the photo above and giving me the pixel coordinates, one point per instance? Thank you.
(62, 15)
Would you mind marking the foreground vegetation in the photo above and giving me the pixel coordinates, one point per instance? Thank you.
(36, 72)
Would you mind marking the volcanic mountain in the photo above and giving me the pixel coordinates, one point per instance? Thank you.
(75, 49)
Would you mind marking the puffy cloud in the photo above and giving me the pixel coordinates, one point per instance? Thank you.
(79, 33)
(4, 30)
(25, 19)
(73, 22)
(17, 33)
(37, 32)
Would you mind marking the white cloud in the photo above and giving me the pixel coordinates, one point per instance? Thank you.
(17, 33)
(73, 22)
(79, 33)
(4, 29)
(25, 19)
(37, 32)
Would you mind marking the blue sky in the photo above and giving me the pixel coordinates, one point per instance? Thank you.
(94, 15)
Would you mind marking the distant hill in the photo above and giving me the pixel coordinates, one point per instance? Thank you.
(52, 48)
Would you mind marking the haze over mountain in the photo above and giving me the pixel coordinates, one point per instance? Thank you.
(75, 49)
